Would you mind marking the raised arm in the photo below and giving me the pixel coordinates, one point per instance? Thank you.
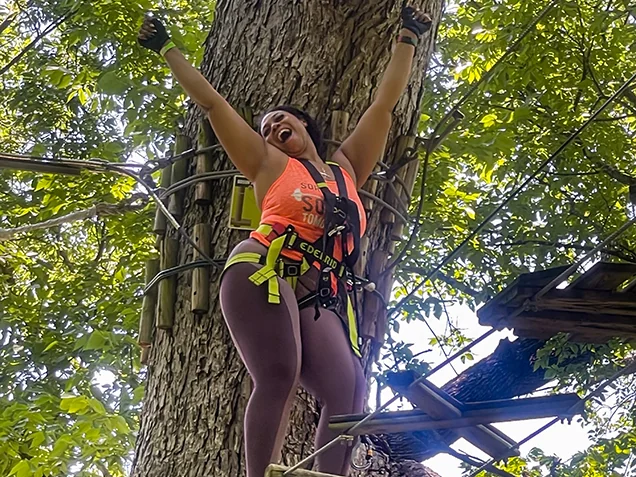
(245, 147)
(364, 147)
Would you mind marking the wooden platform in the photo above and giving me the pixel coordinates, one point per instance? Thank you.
(472, 421)
(597, 306)
(274, 470)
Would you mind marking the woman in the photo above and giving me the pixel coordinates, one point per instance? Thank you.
(285, 290)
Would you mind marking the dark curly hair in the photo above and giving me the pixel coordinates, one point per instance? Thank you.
(312, 126)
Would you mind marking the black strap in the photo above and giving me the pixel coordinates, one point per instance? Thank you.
(353, 216)
(340, 180)
(340, 210)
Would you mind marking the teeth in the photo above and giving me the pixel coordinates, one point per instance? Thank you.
(282, 133)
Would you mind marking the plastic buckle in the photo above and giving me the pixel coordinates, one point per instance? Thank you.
(325, 292)
(292, 270)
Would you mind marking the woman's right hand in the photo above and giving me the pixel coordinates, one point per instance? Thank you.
(153, 34)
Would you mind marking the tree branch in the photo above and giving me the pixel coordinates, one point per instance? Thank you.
(611, 171)
(98, 210)
(35, 41)
(7, 22)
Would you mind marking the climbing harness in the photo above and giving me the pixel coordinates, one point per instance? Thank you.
(336, 280)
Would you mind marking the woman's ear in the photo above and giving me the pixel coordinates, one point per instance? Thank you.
(303, 122)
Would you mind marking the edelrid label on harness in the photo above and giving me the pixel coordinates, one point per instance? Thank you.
(313, 251)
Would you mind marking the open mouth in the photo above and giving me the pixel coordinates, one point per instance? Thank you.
(284, 134)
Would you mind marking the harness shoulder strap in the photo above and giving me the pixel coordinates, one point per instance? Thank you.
(340, 180)
(353, 213)
(318, 179)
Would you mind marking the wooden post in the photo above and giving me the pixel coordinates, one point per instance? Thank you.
(168, 286)
(387, 217)
(179, 172)
(339, 128)
(374, 317)
(149, 304)
(201, 276)
(145, 354)
(160, 220)
(408, 174)
(203, 190)
(360, 265)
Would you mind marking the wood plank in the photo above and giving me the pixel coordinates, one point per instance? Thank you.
(592, 297)
(605, 276)
(490, 439)
(491, 313)
(424, 396)
(581, 333)
(275, 470)
(482, 415)
(565, 318)
(559, 401)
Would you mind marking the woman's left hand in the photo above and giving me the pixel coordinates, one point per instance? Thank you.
(416, 21)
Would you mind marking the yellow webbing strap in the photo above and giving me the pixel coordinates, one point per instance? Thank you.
(269, 273)
(245, 257)
(353, 327)
(264, 229)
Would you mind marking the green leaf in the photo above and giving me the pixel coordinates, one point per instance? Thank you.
(97, 406)
(45, 182)
(95, 341)
(489, 120)
(74, 404)
(51, 345)
(21, 469)
(110, 83)
(37, 439)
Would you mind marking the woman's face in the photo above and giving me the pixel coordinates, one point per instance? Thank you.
(286, 132)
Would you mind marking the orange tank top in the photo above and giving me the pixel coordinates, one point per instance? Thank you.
(295, 199)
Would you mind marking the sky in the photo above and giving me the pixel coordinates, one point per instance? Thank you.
(563, 440)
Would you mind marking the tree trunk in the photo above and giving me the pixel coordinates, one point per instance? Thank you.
(322, 56)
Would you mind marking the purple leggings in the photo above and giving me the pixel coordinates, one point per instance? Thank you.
(282, 347)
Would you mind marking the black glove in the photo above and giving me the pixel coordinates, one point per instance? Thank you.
(153, 40)
(412, 23)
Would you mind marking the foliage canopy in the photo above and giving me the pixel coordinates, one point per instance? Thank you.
(71, 381)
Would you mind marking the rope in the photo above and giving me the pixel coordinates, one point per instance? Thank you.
(173, 221)
(178, 269)
(450, 257)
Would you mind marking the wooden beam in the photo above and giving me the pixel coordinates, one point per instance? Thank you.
(274, 470)
(605, 276)
(168, 286)
(557, 319)
(149, 305)
(179, 172)
(200, 298)
(479, 414)
(490, 314)
(408, 421)
(204, 163)
(442, 407)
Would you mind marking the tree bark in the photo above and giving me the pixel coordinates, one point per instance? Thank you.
(321, 56)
